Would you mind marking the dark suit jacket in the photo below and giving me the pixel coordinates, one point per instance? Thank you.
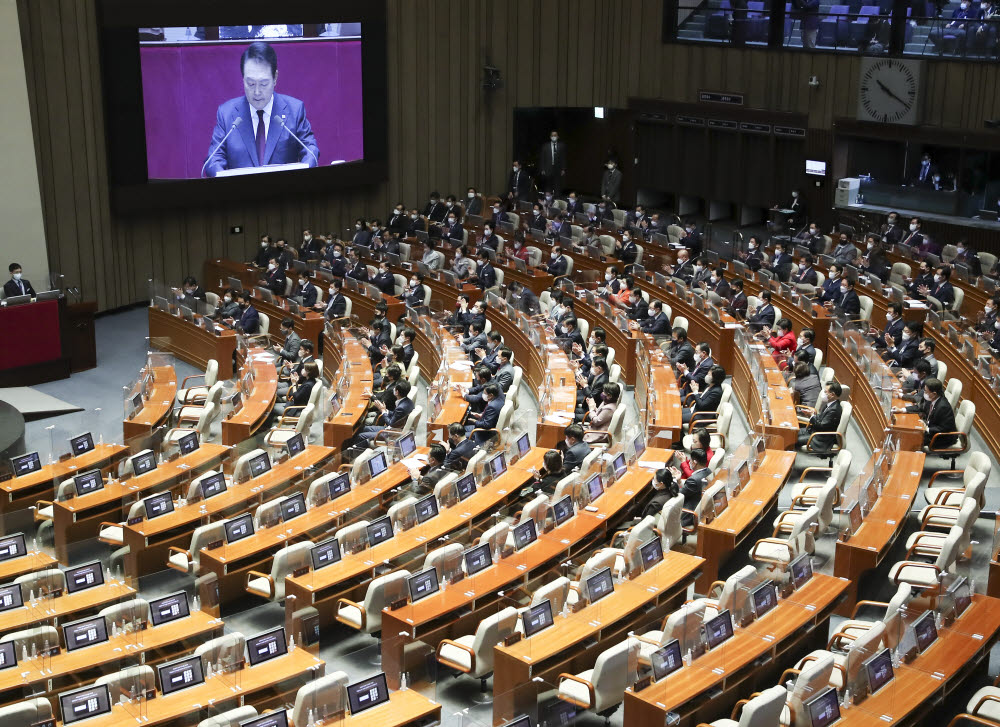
(276, 281)
(738, 304)
(940, 418)
(336, 306)
(308, 294)
(709, 399)
(487, 276)
(549, 164)
(945, 293)
(12, 288)
(904, 353)
(894, 329)
(398, 223)
(518, 183)
(460, 454)
(558, 266)
(806, 276)
(826, 421)
(385, 282)
(574, 456)
(474, 206)
(763, 317)
(611, 184)
(434, 212)
(657, 325)
(782, 266)
(850, 303)
(250, 320)
(398, 417)
(692, 489)
(359, 272)
(681, 353)
(491, 414)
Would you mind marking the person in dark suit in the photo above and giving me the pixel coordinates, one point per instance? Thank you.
(718, 284)
(249, 320)
(924, 279)
(489, 417)
(414, 295)
(738, 302)
(941, 288)
(781, 263)
(460, 447)
(806, 274)
(637, 309)
(475, 339)
(356, 268)
(569, 333)
(680, 349)
(384, 279)
(274, 278)
(192, 291)
(434, 211)
(394, 419)
(707, 399)
(691, 238)
(486, 276)
(397, 220)
(306, 292)
(873, 261)
(965, 255)
(904, 351)
(518, 183)
(362, 233)
(830, 292)
(590, 383)
(762, 317)
(558, 264)
(664, 490)
(988, 318)
(496, 215)
(552, 164)
(300, 388)
(474, 395)
(334, 261)
(264, 252)
(576, 449)
(893, 326)
(574, 205)
(683, 268)
(826, 421)
(693, 486)
(657, 324)
(703, 363)
(849, 303)
(473, 203)
(611, 182)
(891, 232)
(548, 476)
(845, 253)
(935, 410)
(753, 257)
(306, 350)
(336, 304)
(913, 238)
(812, 237)
(228, 306)
(289, 351)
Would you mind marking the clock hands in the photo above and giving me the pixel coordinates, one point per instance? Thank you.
(889, 93)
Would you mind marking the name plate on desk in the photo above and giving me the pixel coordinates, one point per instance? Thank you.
(300, 571)
(214, 545)
(398, 604)
(513, 638)
(44, 723)
(642, 684)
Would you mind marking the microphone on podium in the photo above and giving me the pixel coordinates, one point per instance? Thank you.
(281, 120)
(236, 122)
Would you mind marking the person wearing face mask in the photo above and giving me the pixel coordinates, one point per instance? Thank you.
(489, 355)
(489, 417)
(693, 486)
(679, 350)
(334, 261)
(434, 210)
(599, 413)
(914, 381)
(625, 249)
(704, 400)
(415, 224)
(486, 275)
(956, 28)
(635, 216)
(274, 277)
(683, 269)
(937, 414)
(228, 307)
(691, 238)
(518, 183)
(475, 339)
(904, 351)
(517, 249)
(461, 264)
(812, 238)
(656, 324)
(610, 284)
(415, 292)
(611, 183)
(849, 303)
(873, 261)
(983, 38)
(249, 320)
(805, 278)
(830, 291)
(384, 279)
(913, 237)
(554, 229)
(941, 288)
(700, 274)
(892, 231)
(451, 206)
(893, 327)
(362, 234)
(336, 304)
(394, 419)
(574, 206)
(473, 203)
(305, 355)
(718, 284)
(762, 317)
(311, 245)
(552, 164)
(926, 168)
(191, 292)
(434, 258)
(576, 449)
(398, 220)
(988, 317)
(590, 384)
(356, 267)
(965, 255)
(264, 252)
(781, 262)
(924, 280)
(703, 363)
(783, 343)
(557, 265)
(305, 293)
(753, 256)
(814, 436)
(738, 301)
(537, 219)
(845, 252)
(289, 351)
(460, 448)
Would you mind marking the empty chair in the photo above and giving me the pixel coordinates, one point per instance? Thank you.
(732, 593)
(189, 561)
(41, 582)
(817, 477)
(203, 425)
(684, 624)
(241, 470)
(973, 485)
(927, 575)
(779, 552)
(268, 514)
(285, 562)
(232, 718)
(194, 491)
(446, 560)
(129, 682)
(26, 713)
(496, 536)
(859, 25)
(928, 543)
(222, 651)
(401, 514)
(823, 499)
(953, 391)
(604, 558)
(114, 533)
(351, 537)
(984, 704)
(833, 27)
(556, 591)
(602, 688)
(473, 654)
(764, 710)
(854, 626)
(319, 489)
(192, 412)
(367, 616)
(288, 426)
(813, 678)
(135, 610)
(321, 697)
(192, 394)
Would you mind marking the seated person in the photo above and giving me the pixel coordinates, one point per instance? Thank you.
(988, 318)
(707, 399)
(965, 255)
(475, 339)
(305, 292)
(460, 448)
(461, 319)
(381, 378)
(406, 338)
(598, 416)
(486, 276)
(415, 294)
(576, 449)
(718, 284)
(489, 239)
(248, 321)
(590, 384)
(694, 485)
(548, 476)
(504, 373)
(937, 413)
(190, 290)
(923, 281)
(489, 417)
(914, 381)
(845, 252)
(941, 288)
(356, 268)
(489, 355)
(474, 394)
(434, 258)
(826, 421)
(392, 419)
(781, 262)
(517, 249)
(701, 439)
(664, 490)
(874, 261)
(568, 334)
(830, 292)
(805, 385)
(625, 249)
(274, 278)
(299, 389)
(762, 317)
(905, 351)
(657, 324)
(893, 326)
(683, 268)
(849, 303)
(289, 351)
(306, 350)
(925, 350)
(703, 363)
(452, 232)
(228, 307)
(783, 343)
(738, 302)
(416, 224)
(700, 274)
(680, 350)
(334, 260)
(558, 264)
(753, 257)
(432, 472)
(812, 238)
(806, 274)
(384, 280)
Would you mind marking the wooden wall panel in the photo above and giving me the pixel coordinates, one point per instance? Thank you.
(445, 132)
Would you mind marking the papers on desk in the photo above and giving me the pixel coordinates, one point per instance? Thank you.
(732, 325)
(651, 464)
(413, 463)
(558, 418)
(915, 304)
(462, 365)
(269, 357)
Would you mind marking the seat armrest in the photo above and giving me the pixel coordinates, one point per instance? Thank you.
(361, 609)
(188, 378)
(838, 446)
(172, 550)
(807, 470)
(916, 544)
(254, 574)
(102, 526)
(578, 680)
(938, 510)
(963, 443)
(468, 649)
(862, 604)
(944, 473)
(39, 506)
(915, 564)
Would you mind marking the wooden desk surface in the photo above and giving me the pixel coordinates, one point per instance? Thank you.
(157, 407)
(340, 427)
(199, 625)
(665, 419)
(68, 603)
(256, 407)
(308, 323)
(562, 401)
(42, 480)
(27, 563)
(404, 708)
(190, 342)
(216, 691)
(453, 406)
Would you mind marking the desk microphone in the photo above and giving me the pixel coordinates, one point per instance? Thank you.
(281, 120)
(236, 122)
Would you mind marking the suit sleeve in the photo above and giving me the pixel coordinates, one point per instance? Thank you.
(304, 131)
(218, 161)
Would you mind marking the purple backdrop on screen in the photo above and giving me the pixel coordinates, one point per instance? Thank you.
(182, 87)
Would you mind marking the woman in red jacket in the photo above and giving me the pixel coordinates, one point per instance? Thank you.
(783, 344)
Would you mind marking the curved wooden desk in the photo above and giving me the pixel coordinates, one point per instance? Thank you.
(190, 342)
(256, 408)
(156, 407)
(340, 427)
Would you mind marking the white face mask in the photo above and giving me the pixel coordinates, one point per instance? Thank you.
(272, 266)
(801, 342)
(609, 277)
(263, 244)
(333, 292)
(651, 312)
(228, 299)
(471, 195)
(17, 276)
(554, 138)
(626, 239)
(413, 283)
(611, 166)
(516, 169)
(337, 253)
(906, 336)
(753, 246)
(913, 228)
(927, 397)
(433, 202)
(697, 268)
(397, 212)
(812, 230)
(496, 209)
(357, 227)
(843, 289)
(414, 217)
(302, 283)
(555, 255)
(794, 195)
(451, 220)
(714, 280)
(871, 246)
(890, 317)
(938, 278)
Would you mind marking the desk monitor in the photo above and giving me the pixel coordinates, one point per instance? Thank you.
(81, 444)
(537, 618)
(17, 300)
(619, 466)
(525, 534)
(272, 719)
(377, 465)
(25, 464)
(595, 487)
(498, 465)
(295, 444)
(802, 570)
(143, 463)
(10, 597)
(136, 402)
(824, 710)
(236, 401)
(8, 655)
(325, 553)
(379, 531)
(666, 660)
(84, 703)
(720, 500)
(180, 674)
(293, 506)
(522, 721)
(407, 444)
(879, 670)
(639, 445)
(563, 510)
(764, 598)
(12, 546)
(83, 577)
(188, 443)
(718, 630)
(266, 646)
(212, 485)
(651, 552)
(477, 559)
(426, 508)
(599, 585)
(367, 694)
(523, 445)
(85, 632)
(88, 482)
(855, 517)
(169, 608)
(340, 485)
(422, 584)
(465, 486)
(239, 528)
(259, 465)
(157, 505)
(743, 474)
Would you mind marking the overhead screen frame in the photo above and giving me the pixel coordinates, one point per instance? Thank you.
(121, 73)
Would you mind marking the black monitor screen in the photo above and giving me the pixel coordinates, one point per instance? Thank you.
(522, 721)
(267, 645)
(465, 486)
(325, 553)
(12, 547)
(295, 445)
(213, 485)
(963, 596)
(88, 482)
(926, 631)
(595, 487)
(83, 577)
(639, 445)
(426, 508)
(159, 505)
(25, 464)
(180, 674)
(340, 485)
(379, 531)
(169, 608)
(666, 660)
(367, 694)
(651, 553)
(85, 703)
(525, 534)
(239, 528)
(259, 465)
(523, 445)
(84, 633)
(619, 466)
(377, 465)
(563, 510)
(81, 444)
(599, 585)
(719, 629)
(8, 655)
(272, 719)
(10, 597)
(765, 597)
(407, 444)
(477, 559)
(879, 669)
(188, 443)
(801, 570)
(498, 465)
(422, 584)
(824, 710)
(537, 618)
(292, 507)
(143, 463)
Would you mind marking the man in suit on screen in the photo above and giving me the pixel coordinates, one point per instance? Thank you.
(262, 122)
